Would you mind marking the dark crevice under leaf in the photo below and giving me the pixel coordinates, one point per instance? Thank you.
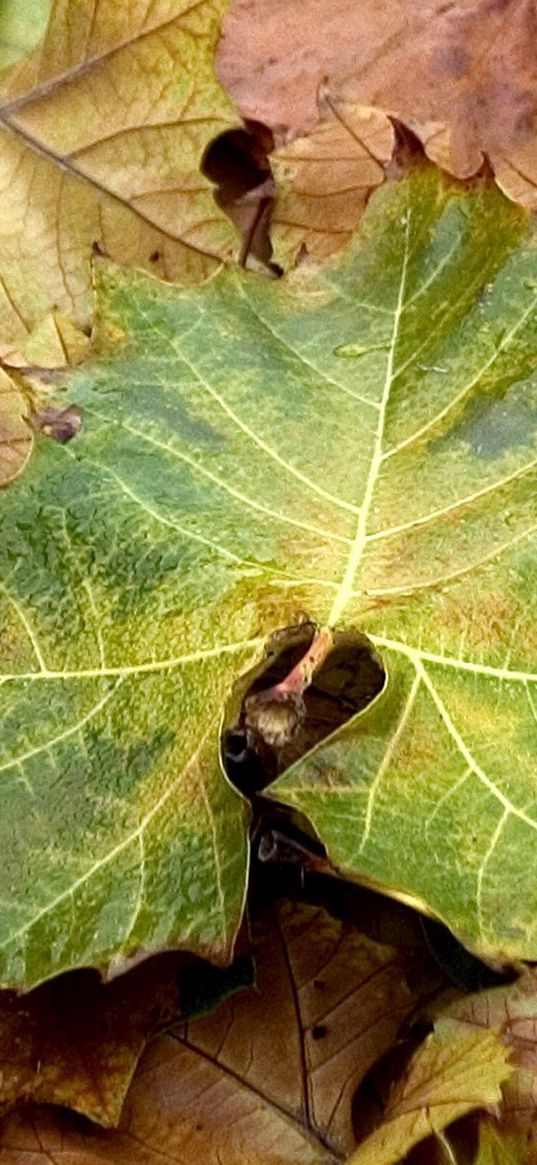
(346, 682)
(237, 162)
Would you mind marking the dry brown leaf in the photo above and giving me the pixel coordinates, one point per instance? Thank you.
(268, 1078)
(462, 75)
(324, 178)
(102, 134)
(15, 433)
(335, 1002)
(75, 1041)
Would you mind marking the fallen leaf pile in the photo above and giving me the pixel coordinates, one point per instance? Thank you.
(268, 689)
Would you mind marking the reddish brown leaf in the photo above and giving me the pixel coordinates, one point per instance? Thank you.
(462, 75)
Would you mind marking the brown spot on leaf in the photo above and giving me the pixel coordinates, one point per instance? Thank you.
(60, 424)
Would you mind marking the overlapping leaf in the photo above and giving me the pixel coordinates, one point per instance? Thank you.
(451, 1074)
(234, 1087)
(76, 1041)
(323, 179)
(102, 134)
(462, 75)
(356, 446)
(512, 1012)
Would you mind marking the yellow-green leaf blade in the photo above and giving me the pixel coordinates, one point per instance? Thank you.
(233, 477)
(21, 27)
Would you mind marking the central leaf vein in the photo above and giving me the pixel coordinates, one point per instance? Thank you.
(357, 548)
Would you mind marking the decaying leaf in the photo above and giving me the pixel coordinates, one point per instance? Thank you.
(102, 133)
(15, 431)
(76, 1041)
(61, 424)
(450, 1074)
(356, 446)
(336, 1002)
(323, 179)
(269, 1076)
(462, 75)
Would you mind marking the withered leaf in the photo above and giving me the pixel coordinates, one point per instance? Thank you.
(462, 76)
(451, 1074)
(75, 1041)
(102, 133)
(266, 1079)
(323, 179)
(511, 1011)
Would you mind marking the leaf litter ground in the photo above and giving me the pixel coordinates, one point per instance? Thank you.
(417, 621)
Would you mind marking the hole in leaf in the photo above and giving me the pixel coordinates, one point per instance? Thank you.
(237, 162)
(350, 676)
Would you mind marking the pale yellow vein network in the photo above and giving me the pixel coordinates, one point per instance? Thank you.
(344, 592)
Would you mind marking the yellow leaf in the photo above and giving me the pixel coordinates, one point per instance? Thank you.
(450, 1074)
(102, 133)
(55, 342)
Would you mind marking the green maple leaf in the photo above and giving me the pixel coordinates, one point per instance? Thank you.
(355, 444)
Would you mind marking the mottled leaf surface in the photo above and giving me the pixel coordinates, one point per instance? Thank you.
(102, 133)
(75, 1041)
(356, 445)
